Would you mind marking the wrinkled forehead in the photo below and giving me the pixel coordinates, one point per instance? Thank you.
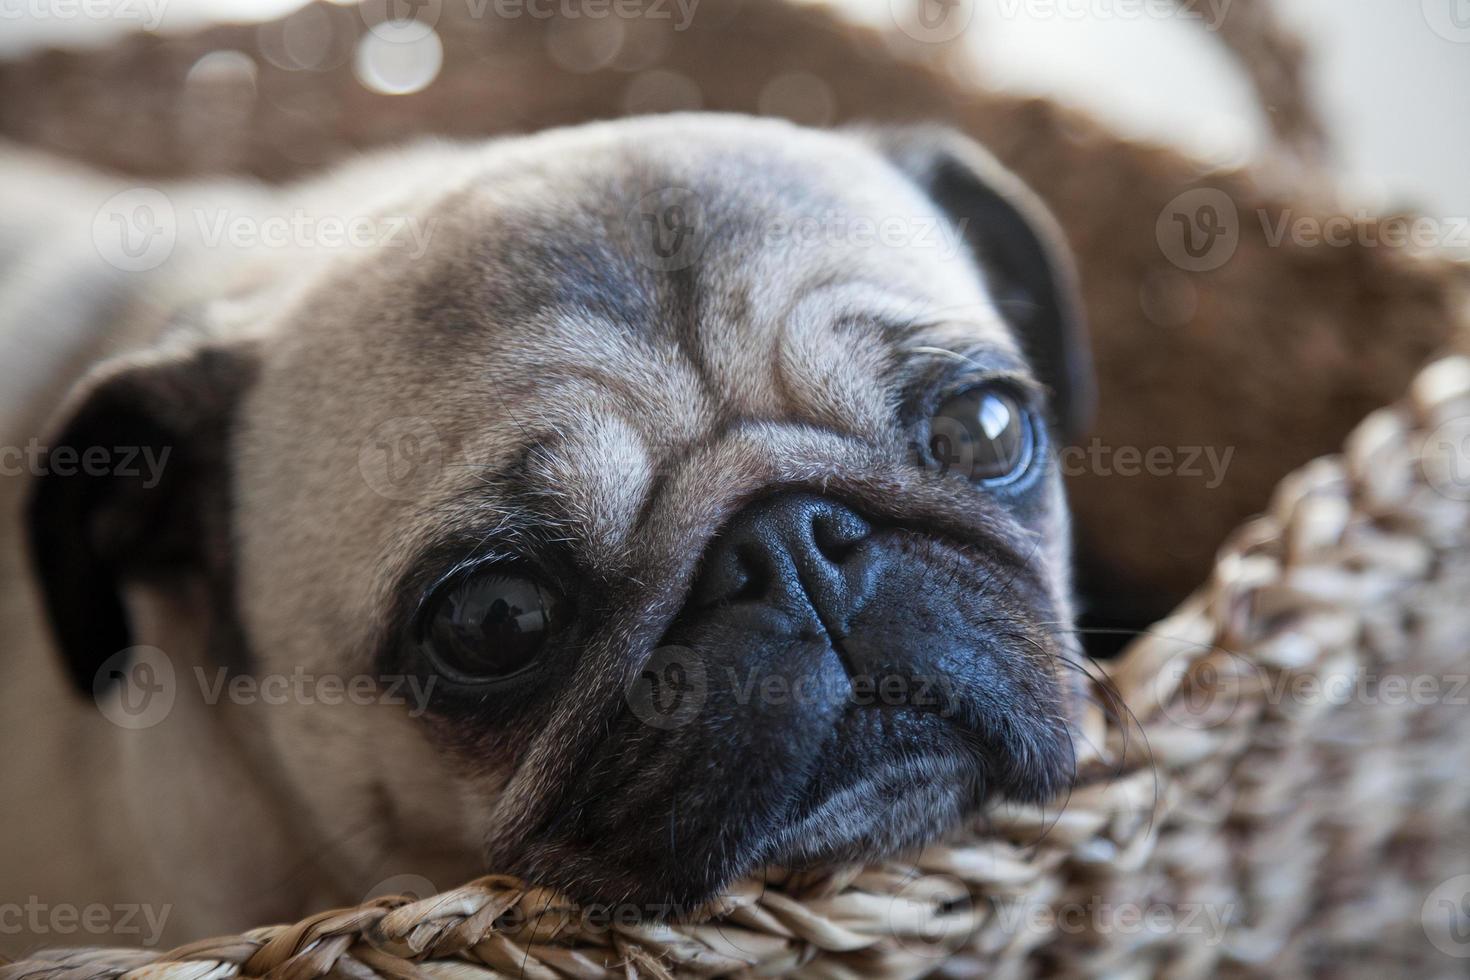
(738, 277)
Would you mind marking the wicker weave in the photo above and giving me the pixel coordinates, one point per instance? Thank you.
(1269, 803)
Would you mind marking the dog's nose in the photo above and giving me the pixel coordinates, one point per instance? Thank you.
(795, 551)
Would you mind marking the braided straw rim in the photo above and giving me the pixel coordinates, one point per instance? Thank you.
(899, 919)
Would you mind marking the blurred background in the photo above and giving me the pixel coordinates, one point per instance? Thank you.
(1391, 80)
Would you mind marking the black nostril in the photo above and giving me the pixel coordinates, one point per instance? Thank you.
(836, 531)
(792, 549)
(751, 574)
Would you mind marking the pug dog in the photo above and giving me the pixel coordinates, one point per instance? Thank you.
(627, 507)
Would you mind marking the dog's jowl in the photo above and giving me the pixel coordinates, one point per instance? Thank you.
(680, 499)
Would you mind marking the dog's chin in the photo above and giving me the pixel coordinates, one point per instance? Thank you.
(879, 813)
(656, 853)
(668, 821)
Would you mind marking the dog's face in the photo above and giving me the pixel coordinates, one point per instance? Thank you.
(698, 472)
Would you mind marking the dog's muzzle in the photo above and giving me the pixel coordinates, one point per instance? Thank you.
(834, 689)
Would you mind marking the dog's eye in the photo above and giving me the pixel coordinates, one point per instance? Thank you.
(983, 433)
(491, 624)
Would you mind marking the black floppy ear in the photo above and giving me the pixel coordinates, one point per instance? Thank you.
(1021, 250)
(134, 486)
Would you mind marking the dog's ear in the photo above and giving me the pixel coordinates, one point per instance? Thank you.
(1019, 247)
(134, 487)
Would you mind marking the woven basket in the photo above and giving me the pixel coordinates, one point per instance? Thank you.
(1273, 783)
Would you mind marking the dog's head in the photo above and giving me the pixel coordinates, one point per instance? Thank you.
(699, 475)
